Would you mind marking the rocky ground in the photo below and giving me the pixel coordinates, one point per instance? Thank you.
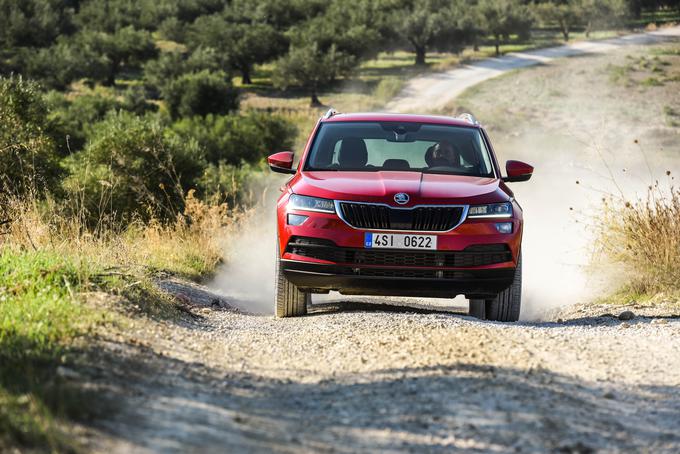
(354, 377)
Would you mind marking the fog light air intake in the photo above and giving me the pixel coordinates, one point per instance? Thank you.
(296, 219)
(504, 227)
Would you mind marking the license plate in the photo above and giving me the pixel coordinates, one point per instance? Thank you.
(399, 241)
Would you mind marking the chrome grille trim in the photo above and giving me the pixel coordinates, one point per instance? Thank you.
(339, 212)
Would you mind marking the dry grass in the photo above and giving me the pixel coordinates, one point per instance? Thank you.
(644, 236)
(190, 246)
(50, 262)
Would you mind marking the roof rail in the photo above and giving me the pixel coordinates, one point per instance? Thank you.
(330, 113)
(469, 118)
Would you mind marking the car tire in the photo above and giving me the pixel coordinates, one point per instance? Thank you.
(506, 306)
(290, 301)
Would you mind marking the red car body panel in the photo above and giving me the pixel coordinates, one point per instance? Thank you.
(380, 187)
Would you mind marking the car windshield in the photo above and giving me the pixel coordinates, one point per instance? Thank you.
(416, 147)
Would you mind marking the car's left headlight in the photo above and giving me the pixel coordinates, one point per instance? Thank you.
(303, 202)
(492, 210)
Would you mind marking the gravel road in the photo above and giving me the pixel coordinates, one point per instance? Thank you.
(359, 378)
(356, 377)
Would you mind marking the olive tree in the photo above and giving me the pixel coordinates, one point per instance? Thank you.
(428, 24)
(239, 45)
(322, 50)
(566, 15)
(602, 13)
(311, 68)
(108, 53)
(421, 22)
(502, 18)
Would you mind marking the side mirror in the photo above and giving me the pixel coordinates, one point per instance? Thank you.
(281, 162)
(517, 171)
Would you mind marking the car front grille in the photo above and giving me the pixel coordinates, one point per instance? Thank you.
(476, 255)
(430, 219)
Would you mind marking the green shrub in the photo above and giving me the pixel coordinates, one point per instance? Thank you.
(33, 23)
(201, 93)
(55, 66)
(134, 100)
(233, 139)
(71, 120)
(131, 168)
(161, 72)
(245, 184)
(28, 159)
(172, 29)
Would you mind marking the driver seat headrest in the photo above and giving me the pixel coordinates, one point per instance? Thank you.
(396, 164)
(352, 153)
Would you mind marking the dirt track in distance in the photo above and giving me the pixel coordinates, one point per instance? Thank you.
(433, 91)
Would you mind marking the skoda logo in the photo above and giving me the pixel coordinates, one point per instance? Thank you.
(401, 198)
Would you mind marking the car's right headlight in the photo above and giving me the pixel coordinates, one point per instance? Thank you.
(306, 203)
(491, 210)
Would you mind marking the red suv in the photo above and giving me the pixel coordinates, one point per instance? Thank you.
(399, 205)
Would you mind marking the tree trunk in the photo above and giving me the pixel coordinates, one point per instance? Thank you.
(589, 28)
(420, 55)
(565, 32)
(111, 77)
(498, 46)
(314, 101)
(245, 76)
(636, 9)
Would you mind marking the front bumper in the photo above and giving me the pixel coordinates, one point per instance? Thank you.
(450, 271)
(319, 278)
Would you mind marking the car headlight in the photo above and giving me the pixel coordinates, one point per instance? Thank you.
(492, 210)
(302, 202)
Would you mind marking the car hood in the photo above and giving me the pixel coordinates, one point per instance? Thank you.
(422, 188)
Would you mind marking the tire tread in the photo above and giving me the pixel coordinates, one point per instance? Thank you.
(506, 306)
(290, 301)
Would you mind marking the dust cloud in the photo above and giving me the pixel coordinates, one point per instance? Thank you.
(247, 278)
(574, 172)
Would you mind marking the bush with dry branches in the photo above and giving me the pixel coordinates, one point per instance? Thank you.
(644, 236)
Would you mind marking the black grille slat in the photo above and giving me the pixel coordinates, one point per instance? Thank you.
(428, 215)
(431, 219)
(436, 219)
(477, 255)
(386, 217)
(365, 214)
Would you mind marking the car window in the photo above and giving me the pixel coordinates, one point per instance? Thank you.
(383, 146)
